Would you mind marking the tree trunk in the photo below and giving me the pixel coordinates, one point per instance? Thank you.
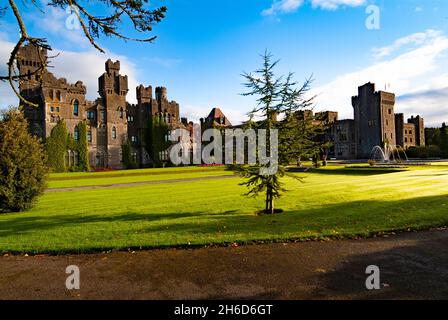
(269, 201)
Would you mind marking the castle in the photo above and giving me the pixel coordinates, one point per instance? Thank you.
(111, 120)
(375, 123)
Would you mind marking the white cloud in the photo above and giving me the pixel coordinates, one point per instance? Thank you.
(288, 6)
(415, 39)
(417, 70)
(283, 6)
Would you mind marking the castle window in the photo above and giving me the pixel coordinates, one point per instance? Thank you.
(76, 134)
(51, 109)
(89, 136)
(57, 109)
(76, 108)
(134, 138)
(103, 116)
(406, 140)
(134, 156)
(58, 95)
(121, 113)
(90, 115)
(390, 111)
(114, 133)
(130, 119)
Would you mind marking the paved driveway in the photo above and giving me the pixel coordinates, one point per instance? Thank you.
(413, 265)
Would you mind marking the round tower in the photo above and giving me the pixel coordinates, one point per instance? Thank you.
(161, 93)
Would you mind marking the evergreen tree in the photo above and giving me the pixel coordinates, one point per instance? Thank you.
(22, 164)
(276, 97)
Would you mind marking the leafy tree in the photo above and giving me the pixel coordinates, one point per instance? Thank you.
(22, 164)
(57, 145)
(156, 141)
(110, 17)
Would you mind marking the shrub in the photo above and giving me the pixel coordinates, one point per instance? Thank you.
(22, 164)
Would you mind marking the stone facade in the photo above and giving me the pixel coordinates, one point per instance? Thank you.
(375, 123)
(111, 120)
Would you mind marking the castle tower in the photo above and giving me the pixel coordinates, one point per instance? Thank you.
(374, 119)
(112, 121)
(161, 93)
(419, 123)
(30, 59)
(144, 95)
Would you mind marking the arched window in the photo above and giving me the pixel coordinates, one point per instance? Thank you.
(76, 108)
(76, 134)
(114, 133)
(121, 113)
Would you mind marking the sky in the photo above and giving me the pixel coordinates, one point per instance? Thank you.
(204, 46)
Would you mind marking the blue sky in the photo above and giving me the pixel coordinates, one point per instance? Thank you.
(204, 46)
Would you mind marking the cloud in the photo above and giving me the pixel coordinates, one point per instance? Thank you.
(415, 39)
(413, 75)
(288, 6)
(283, 6)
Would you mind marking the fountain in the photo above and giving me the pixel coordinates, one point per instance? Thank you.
(388, 155)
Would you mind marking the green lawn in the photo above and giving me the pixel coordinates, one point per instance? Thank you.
(71, 180)
(332, 202)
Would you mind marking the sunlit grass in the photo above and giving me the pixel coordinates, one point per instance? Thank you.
(329, 203)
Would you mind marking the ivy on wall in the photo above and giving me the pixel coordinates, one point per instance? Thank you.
(56, 147)
(128, 161)
(60, 142)
(156, 139)
(82, 148)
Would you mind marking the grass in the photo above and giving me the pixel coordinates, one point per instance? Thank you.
(331, 203)
(73, 180)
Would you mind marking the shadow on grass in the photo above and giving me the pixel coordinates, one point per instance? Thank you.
(418, 271)
(361, 218)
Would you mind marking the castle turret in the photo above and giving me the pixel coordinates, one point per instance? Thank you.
(419, 123)
(161, 93)
(144, 95)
